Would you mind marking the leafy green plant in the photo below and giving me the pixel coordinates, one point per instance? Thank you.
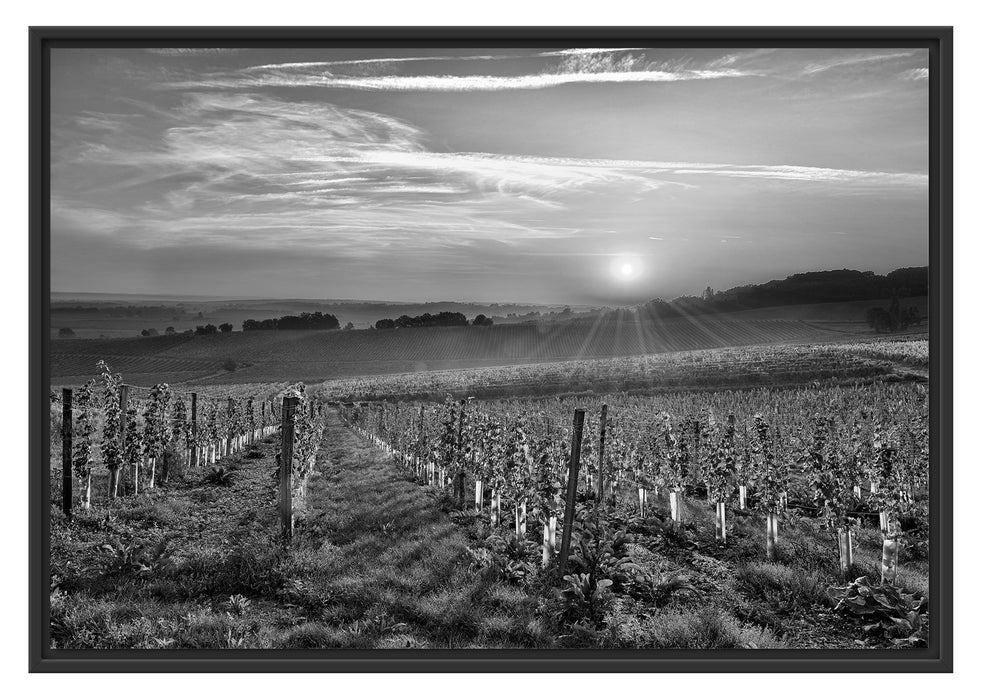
(137, 557)
(512, 558)
(661, 590)
(586, 598)
(219, 476)
(600, 567)
(601, 554)
(238, 604)
(891, 613)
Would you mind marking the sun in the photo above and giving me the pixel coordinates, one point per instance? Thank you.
(626, 268)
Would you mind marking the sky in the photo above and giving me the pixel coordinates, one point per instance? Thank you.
(589, 176)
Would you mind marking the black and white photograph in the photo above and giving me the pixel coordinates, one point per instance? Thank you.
(603, 347)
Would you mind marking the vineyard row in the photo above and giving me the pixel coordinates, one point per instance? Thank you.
(841, 465)
(144, 441)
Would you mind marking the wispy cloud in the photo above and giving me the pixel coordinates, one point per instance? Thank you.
(305, 77)
(310, 65)
(547, 173)
(742, 57)
(574, 66)
(430, 59)
(915, 74)
(190, 51)
(584, 52)
(845, 61)
(231, 162)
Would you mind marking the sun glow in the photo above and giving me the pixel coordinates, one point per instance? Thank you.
(626, 268)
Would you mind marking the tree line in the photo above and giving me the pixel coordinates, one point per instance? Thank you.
(444, 318)
(804, 288)
(314, 321)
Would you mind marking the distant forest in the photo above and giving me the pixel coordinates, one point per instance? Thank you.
(804, 288)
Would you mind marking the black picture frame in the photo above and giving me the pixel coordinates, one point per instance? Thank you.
(936, 658)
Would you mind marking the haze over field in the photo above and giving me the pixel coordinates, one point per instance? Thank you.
(571, 176)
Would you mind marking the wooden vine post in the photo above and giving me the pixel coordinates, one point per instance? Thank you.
(66, 452)
(600, 453)
(574, 473)
(286, 465)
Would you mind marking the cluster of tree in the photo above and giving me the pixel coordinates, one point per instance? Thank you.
(444, 318)
(894, 318)
(304, 322)
(208, 329)
(805, 288)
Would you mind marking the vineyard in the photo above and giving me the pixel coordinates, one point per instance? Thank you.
(130, 445)
(910, 352)
(728, 368)
(840, 455)
(769, 517)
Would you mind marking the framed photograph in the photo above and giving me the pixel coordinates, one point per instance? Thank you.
(491, 349)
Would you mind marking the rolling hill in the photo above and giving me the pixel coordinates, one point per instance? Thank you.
(318, 355)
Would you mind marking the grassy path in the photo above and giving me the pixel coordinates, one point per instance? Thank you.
(394, 569)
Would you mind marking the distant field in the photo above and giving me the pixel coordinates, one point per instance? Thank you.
(754, 367)
(851, 312)
(118, 316)
(844, 316)
(314, 356)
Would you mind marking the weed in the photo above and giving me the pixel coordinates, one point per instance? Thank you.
(219, 476)
(786, 590)
(138, 558)
(890, 613)
(238, 604)
(707, 628)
